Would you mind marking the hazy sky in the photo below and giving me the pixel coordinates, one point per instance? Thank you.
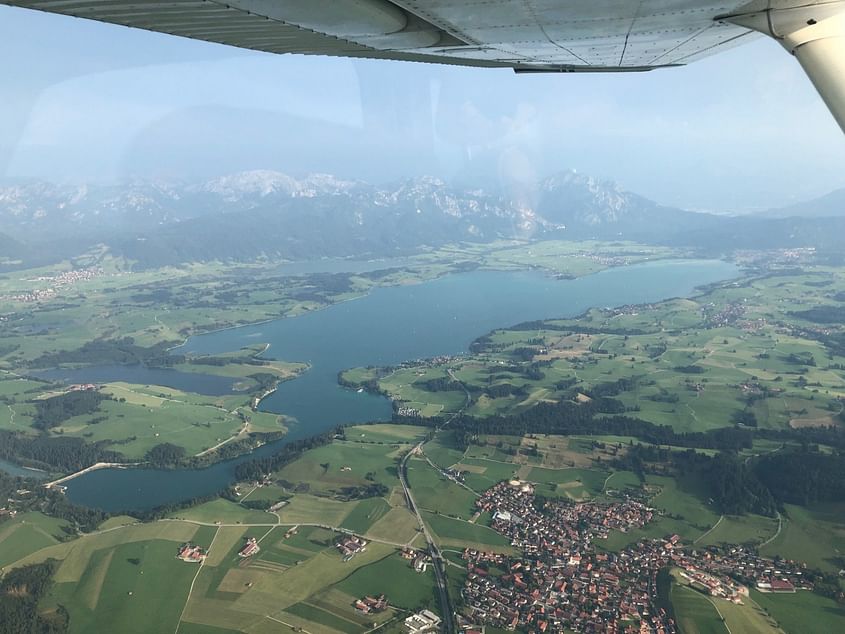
(82, 101)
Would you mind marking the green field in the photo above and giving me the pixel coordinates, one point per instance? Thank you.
(365, 514)
(308, 509)
(442, 451)
(118, 587)
(394, 577)
(814, 535)
(461, 534)
(434, 492)
(573, 484)
(481, 474)
(28, 533)
(330, 468)
(745, 529)
(802, 612)
(748, 618)
(398, 525)
(386, 433)
(108, 581)
(695, 613)
(222, 511)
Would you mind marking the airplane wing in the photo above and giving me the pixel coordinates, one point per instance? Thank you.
(578, 35)
(526, 35)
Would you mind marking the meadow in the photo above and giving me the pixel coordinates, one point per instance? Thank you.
(108, 580)
(802, 612)
(738, 352)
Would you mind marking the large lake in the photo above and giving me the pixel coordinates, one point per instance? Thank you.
(386, 327)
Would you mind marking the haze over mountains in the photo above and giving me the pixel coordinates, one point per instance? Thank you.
(263, 213)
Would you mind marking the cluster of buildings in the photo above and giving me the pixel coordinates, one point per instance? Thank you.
(250, 548)
(419, 560)
(191, 553)
(422, 622)
(744, 566)
(57, 282)
(720, 316)
(83, 387)
(604, 259)
(350, 545)
(70, 277)
(30, 297)
(560, 526)
(369, 605)
(562, 582)
(716, 586)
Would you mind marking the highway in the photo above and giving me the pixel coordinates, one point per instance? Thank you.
(447, 612)
(439, 563)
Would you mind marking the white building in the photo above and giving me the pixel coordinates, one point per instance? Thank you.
(425, 621)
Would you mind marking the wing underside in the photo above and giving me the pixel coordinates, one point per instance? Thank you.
(528, 35)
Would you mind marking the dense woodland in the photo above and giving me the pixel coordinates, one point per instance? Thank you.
(110, 351)
(760, 485)
(20, 591)
(52, 412)
(803, 477)
(165, 455)
(822, 314)
(59, 453)
(732, 484)
(568, 418)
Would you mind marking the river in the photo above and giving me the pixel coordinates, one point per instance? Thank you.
(386, 327)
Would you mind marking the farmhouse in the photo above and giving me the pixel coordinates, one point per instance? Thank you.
(371, 604)
(192, 554)
(250, 548)
(351, 545)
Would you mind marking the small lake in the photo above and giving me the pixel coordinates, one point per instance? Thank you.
(207, 384)
(386, 327)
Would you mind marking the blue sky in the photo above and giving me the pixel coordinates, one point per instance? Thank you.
(82, 101)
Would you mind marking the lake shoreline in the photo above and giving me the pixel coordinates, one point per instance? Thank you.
(614, 286)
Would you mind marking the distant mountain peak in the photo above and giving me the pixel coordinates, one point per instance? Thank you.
(828, 206)
(261, 182)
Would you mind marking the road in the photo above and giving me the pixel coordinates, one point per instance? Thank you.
(328, 527)
(93, 467)
(446, 609)
(447, 612)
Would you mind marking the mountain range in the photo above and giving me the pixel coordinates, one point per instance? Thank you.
(264, 213)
